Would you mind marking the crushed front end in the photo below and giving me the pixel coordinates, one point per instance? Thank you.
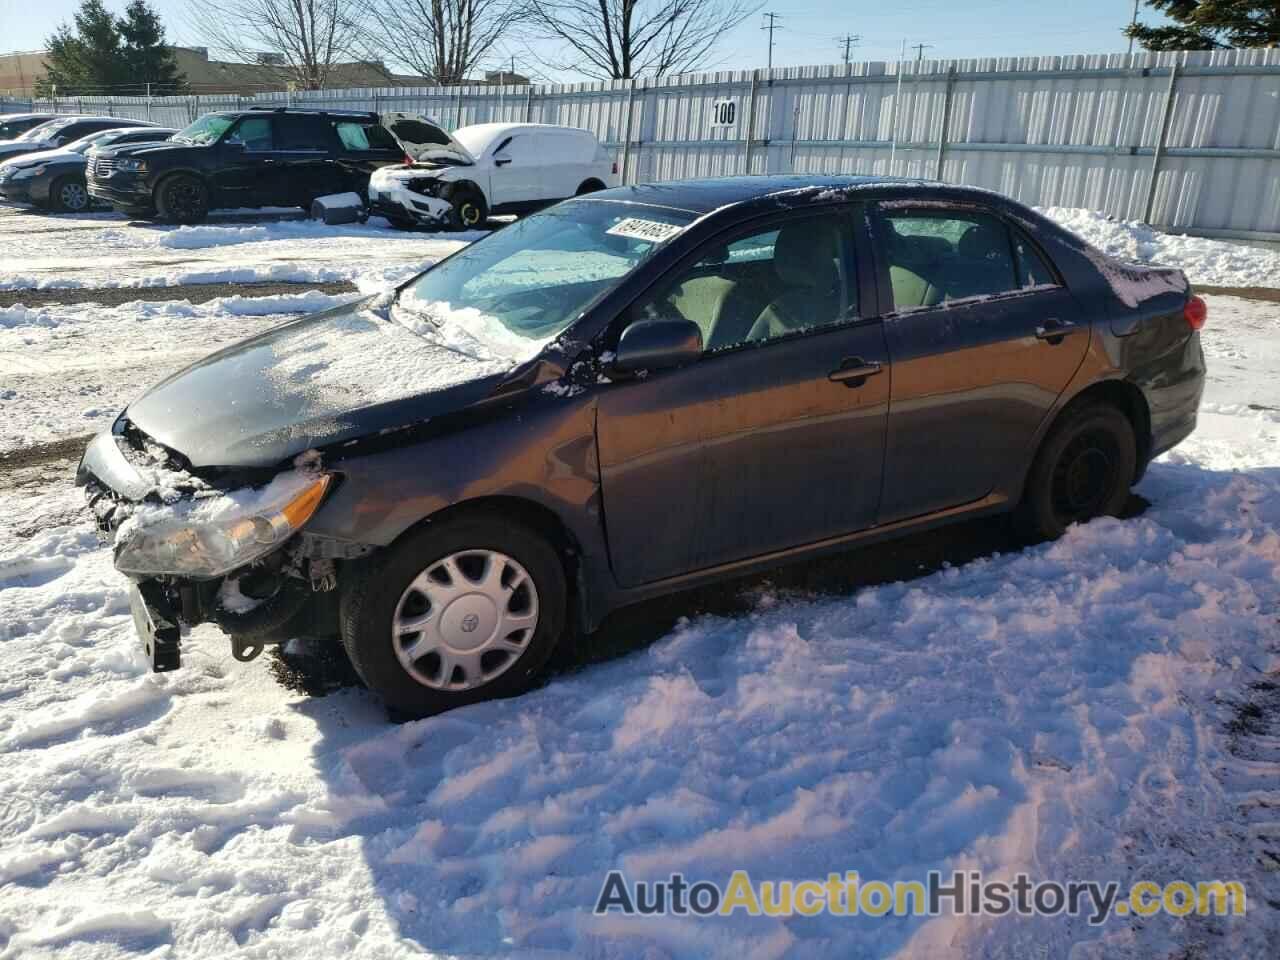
(226, 550)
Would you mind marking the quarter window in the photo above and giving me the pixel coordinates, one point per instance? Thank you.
(762, 286)
(935, 257)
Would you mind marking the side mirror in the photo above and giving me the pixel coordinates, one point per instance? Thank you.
(658, 345)
(236, 146)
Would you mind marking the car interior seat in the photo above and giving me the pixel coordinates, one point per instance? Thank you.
(808, 268)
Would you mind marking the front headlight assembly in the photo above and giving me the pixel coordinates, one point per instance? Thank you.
(25, 172)
(129, 165)
(207, 537)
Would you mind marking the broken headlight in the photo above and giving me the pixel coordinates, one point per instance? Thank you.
(208, 537)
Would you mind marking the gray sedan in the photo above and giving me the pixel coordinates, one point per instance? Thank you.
(55, 178)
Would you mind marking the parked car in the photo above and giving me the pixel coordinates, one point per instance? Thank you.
(55, 178)
(458, 180)
(61, 131)
(250, 158)
(14, 124)
(633, 393)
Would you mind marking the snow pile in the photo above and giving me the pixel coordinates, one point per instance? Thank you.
(1207, 262)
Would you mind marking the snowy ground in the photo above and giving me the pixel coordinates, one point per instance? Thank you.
(1100, 707)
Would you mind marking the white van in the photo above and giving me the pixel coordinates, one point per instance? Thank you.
(458, 180)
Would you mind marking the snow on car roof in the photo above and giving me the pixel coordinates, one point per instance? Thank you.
(479, 136)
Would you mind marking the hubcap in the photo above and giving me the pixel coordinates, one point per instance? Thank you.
(1085, 477)
(465, 620)
(73, 196)
(470, 214)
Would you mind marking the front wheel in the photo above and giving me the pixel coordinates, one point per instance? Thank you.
(69, 195)
(182, 198)
(469, 210)
(1083, 470)
(464, 610)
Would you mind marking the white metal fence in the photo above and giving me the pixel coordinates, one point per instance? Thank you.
(1187, 141)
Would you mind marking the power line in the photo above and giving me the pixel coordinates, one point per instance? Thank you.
(849, 40)
(771, 26)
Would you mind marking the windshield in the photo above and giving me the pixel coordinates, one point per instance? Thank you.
(45, 130)
(477, 139)
(12, 129)
(205, 130)
(519, 288)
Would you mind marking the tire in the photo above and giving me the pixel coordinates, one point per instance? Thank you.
(393, 588)
(469, 208)
(588, 186)
(69, 194)
(182, 198)
(1083, 470)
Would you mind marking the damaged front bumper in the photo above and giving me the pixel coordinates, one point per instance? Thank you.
(399, 201)
(267, 598)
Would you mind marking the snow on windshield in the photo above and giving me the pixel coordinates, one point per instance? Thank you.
(467, 330)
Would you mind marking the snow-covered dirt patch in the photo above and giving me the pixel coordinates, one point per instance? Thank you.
(1208, 262)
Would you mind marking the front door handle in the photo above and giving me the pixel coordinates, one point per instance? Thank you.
(1054, 330)
(853, 371)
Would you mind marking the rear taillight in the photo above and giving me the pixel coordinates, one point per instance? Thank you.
(615, 166)
(1196, 311)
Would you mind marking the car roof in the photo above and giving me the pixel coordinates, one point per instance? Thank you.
(123, 121)
(6, 117)
(300, 111)
(702, 196)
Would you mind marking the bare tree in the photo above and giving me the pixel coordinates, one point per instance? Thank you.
(441, 39)
(620, 39)
(309, 35)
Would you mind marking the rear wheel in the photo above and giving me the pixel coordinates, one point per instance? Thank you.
(182, 198)
(465, 610)
(469, 210)
(588, 186)
(1083, 470)
(69, 195)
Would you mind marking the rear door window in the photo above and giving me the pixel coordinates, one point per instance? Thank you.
(1033, 271)
(935, 256)
(301, 133)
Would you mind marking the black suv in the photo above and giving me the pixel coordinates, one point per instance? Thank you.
(253, 158)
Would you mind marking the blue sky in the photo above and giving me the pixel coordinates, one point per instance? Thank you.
(955, 28)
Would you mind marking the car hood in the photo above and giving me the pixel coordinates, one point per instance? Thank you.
(45, 156)
(15, 148)
(420, 139)
(321, 380)
(140, 149)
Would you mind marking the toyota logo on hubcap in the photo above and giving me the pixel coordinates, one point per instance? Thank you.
(469, 623)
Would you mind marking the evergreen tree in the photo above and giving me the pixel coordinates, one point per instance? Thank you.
(104, 54)
(147, 58)
(1210, 24)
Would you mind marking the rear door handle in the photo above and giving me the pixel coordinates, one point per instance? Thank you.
(853, 370)
(1054, 330)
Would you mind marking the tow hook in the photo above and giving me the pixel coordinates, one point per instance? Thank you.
(245, 649)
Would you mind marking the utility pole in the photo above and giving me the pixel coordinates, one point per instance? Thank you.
(770, 26)
(1133, 24)
(920, 49)
(849, 40)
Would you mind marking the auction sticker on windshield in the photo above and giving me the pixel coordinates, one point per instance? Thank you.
(654, 231)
